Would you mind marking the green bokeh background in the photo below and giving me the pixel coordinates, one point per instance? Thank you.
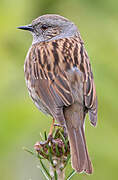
(20, 122)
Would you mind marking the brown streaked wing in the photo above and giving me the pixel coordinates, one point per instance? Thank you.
(52, 88)
(90, 97)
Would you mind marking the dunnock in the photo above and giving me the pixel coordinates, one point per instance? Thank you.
(60, 80)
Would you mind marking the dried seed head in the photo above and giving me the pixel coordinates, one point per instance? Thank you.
(56, 146)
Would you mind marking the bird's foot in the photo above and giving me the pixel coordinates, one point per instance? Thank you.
(59, 125)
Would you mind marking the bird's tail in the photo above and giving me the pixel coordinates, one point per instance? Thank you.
(79, 153)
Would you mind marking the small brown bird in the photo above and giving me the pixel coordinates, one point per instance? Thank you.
(60, 80)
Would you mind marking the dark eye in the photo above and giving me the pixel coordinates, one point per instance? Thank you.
(44, 27)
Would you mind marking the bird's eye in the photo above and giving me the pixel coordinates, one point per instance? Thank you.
(44, 27)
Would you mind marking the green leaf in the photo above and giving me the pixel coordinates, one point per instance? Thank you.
(57, 150)
(50, 154)
(28, 150)
(39, 156)
(45, 169)
(45, 135)
(55, 175)
(71, 175)
(56, 133)
(44, 173)
(64, 140)
(51, 149)
(67, 160)
(41, 137)
(63, 150)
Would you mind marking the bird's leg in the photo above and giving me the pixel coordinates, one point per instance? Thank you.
(52, 126)
(51, 130)
(49, 135)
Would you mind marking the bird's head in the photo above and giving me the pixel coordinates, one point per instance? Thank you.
(50, 27)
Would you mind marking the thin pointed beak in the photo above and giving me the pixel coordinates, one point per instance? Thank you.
(27, 27)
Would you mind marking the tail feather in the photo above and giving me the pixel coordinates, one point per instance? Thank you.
(79, 153)
(88, 165)
(77, 150)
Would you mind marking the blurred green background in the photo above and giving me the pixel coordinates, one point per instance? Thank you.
(20, 122)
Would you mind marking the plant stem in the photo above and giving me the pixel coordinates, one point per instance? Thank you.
(57, 168)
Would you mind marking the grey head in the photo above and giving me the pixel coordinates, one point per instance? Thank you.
(50, 27)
